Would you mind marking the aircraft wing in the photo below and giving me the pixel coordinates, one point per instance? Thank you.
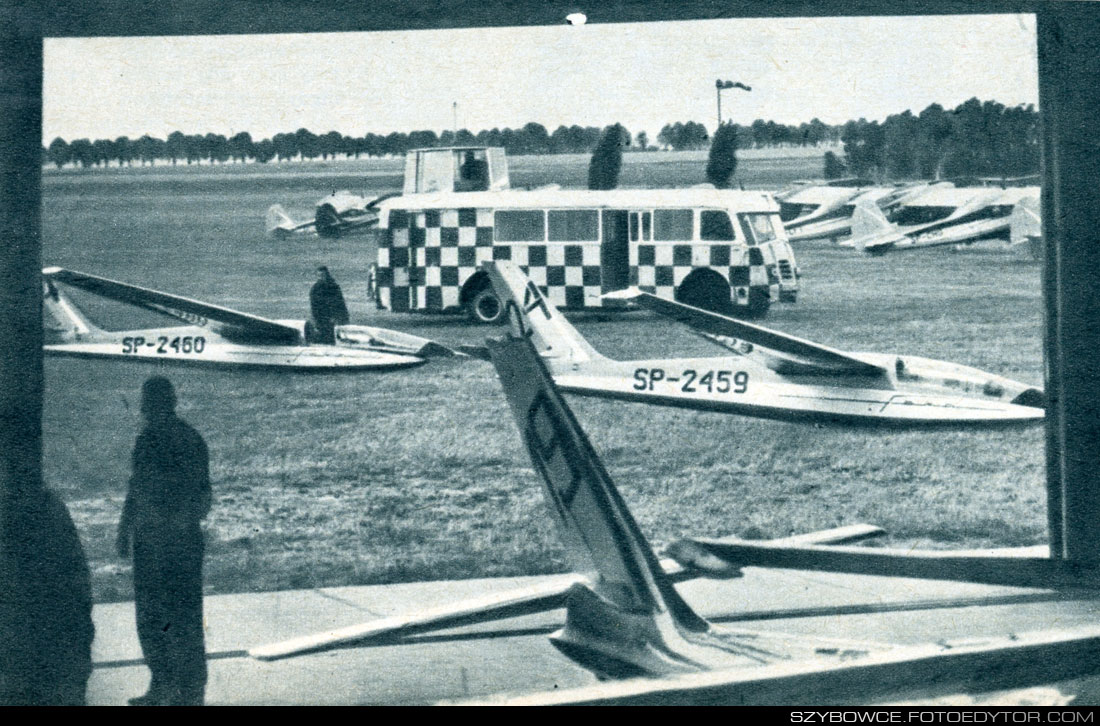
(793, 355)
(190, 311)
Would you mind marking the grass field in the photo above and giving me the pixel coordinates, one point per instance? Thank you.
(419, 474)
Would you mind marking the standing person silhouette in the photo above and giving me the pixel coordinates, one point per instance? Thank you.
(168, 496)
(326, 307)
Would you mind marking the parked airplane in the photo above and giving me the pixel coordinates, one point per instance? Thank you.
(433, 170)
(770, 374)
(340, 213)
(216, 335)
(625, 620)
(825, 212)
(942, 215)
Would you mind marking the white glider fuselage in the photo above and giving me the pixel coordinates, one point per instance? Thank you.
(771, 374)
(201, 345)
(926, 392)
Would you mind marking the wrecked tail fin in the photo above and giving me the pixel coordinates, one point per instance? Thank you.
(531, 315)
(600, 534)
(61, 316)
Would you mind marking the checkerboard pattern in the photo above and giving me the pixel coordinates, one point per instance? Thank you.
(660, 268)
(427, 256)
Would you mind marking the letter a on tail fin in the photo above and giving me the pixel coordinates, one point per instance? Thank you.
(532, 316)
(632, 622)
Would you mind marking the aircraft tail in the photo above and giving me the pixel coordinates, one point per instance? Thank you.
(869, 225)
(62, 317)
(553, 336)
(1026, 226)
(632, 621)
(277, 223)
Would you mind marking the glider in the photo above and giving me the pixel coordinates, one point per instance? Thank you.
(769, 374)
(340, 213)
(215, 335)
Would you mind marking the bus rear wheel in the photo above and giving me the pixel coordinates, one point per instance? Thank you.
(485, 308)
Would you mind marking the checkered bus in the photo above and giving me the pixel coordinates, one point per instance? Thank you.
(719, 249)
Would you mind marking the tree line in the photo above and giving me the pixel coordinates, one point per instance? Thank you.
(976, 138)
(532, 138)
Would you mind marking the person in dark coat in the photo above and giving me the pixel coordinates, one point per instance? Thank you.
(326, 308)
(46, 625)
(168, 496)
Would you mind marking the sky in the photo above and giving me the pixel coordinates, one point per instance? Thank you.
(643, 75)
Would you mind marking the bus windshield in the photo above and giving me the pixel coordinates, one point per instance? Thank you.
(758, 227)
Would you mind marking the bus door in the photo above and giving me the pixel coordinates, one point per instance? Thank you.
(615, 251)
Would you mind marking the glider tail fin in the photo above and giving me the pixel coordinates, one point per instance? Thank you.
(533, 316)
(631, 621)
(278, 223)
(62, 317)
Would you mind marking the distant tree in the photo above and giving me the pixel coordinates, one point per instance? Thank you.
(834, 166)
(58, 152)
(148, 149)
(421, 140)
(103, 150)
(81, 150)
(285, 145)
(641, 141)
(216, 148)
(330, 144)
(901, 135)
(534, 139)
(395, 143)
(263, 151)
(722, 161)
(175, 146)
(607, 159)
(864, 146)
(306, 143)
(680, 136)
(933, 137)
(241, 146)
(124, 150)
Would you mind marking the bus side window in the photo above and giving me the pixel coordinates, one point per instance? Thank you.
(634, 225)
(715, 226)
(673, 225)
(519, 226)
(646, 236)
